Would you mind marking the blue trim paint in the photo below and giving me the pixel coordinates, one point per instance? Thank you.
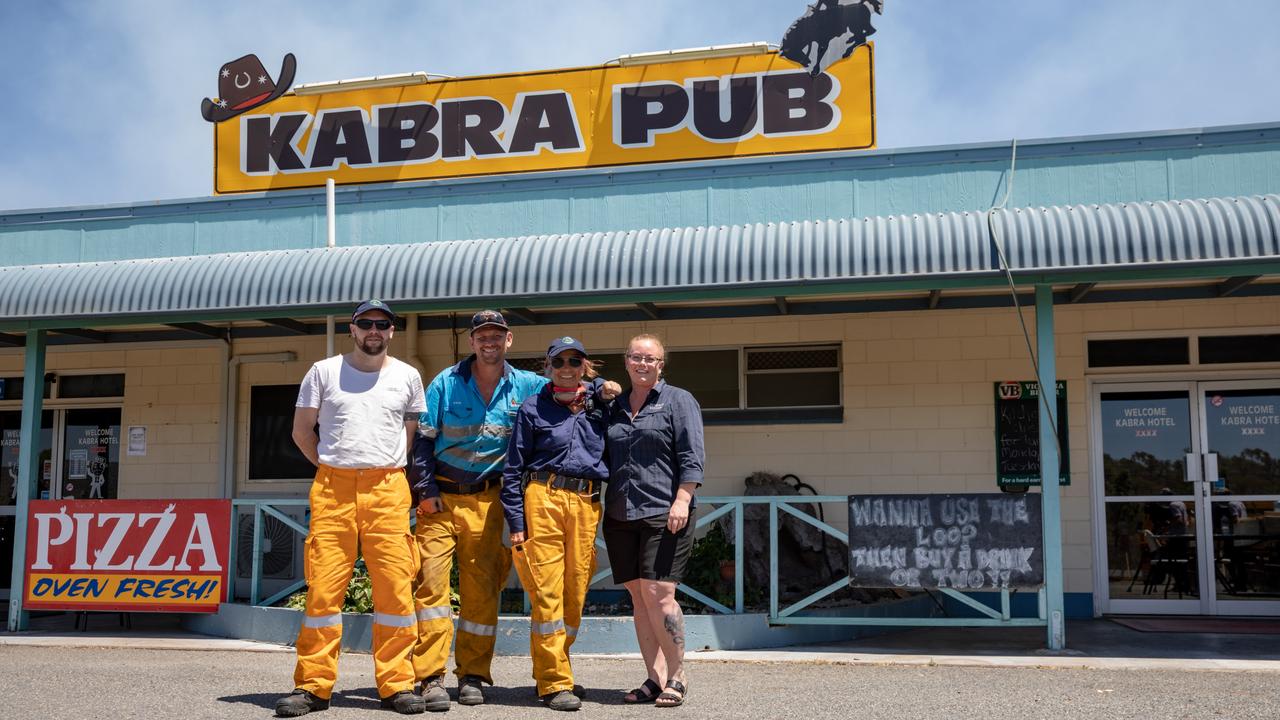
(1214, 162)
(1077, 605)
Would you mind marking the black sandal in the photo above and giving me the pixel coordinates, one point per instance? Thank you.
(670, 699)
(646, 693)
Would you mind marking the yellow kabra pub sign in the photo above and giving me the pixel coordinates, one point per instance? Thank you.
(748, 105)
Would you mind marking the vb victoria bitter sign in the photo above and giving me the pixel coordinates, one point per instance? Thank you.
(127, 555)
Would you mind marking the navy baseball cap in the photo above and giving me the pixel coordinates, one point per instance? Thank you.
(488, 318)
(368, 305)
(559, 345)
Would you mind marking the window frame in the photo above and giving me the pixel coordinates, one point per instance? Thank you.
(248, 441)
(744, 414)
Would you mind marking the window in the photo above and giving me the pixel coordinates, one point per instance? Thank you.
(1139, 352)
(90, 386)
(746, 385)
(793, 377)
(1219, 349)
(272, 454)
(11, 388)
(68, 386)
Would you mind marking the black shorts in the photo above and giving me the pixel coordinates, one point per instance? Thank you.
(645, 549)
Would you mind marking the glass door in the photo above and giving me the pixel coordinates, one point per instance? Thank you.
(1241, 459)
(1146, 442)
(10, 439)
(90, 467)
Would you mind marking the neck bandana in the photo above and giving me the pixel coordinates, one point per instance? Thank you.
(574, 398)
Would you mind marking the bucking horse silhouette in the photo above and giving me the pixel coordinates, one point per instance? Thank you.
(829, 32)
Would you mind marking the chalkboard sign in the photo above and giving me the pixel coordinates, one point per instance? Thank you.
(967, 542)
(1018, 433)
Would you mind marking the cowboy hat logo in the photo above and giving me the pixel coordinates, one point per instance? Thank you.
(243, 84)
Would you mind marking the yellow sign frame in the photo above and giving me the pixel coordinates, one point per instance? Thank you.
(705, 109)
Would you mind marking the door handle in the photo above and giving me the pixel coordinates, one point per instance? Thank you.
(1193, 468)
(1211, 468)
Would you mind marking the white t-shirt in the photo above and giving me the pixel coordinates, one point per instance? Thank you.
(362, 414)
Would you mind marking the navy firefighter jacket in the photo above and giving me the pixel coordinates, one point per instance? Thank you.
(549, 437)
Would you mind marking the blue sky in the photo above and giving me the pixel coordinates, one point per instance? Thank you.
(101, 99)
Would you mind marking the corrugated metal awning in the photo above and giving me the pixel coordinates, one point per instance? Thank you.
(580, 268)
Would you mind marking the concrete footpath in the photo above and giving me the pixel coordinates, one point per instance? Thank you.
(1092, 644)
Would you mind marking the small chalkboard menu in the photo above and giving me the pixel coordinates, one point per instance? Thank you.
(1018, 434)
(985, 541)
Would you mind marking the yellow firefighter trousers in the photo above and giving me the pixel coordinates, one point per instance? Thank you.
(368, 510)
(555, 565)
(472, 526)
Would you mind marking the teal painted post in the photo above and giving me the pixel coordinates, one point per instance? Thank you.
(28, 470)
(773, 560)
(1051, 497)
(739, 566)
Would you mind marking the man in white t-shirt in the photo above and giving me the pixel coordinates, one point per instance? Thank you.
(366, 404)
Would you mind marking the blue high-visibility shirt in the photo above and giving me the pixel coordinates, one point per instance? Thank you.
(461, 438)
(548, 437)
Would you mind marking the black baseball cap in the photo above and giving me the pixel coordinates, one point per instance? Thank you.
(368, 305)
(488, 318)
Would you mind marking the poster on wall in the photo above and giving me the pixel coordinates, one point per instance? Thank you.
(137, 440)
(1017, 423)
(127, 555)
(609, 115)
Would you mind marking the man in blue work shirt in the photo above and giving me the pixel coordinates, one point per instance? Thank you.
(456, 473)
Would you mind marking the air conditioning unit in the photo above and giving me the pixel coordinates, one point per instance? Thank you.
(280, 550)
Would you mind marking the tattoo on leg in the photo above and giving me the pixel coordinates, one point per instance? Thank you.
(675, 628)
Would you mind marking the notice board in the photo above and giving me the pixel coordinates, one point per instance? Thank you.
(1017, 410)
(983, 541)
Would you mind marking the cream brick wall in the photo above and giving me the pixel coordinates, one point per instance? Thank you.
(917, 387)
(172, 389)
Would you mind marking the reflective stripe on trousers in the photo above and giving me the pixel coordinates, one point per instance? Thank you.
(555, 566)
(369, 510)
(472, 527)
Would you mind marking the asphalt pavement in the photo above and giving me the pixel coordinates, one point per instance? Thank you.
(124, 682)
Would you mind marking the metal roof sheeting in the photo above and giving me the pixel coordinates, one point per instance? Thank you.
(941, 245)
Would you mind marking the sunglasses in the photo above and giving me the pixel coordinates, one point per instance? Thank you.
(367, 324)
(574, 362)
(644, 359)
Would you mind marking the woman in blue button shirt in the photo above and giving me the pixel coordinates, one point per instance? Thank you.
(551, 498)
(655, 465)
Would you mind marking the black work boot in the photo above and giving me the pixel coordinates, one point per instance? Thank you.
(434, 697)
(562, 700)
(299, 702)
(405, 702)
(470, 690)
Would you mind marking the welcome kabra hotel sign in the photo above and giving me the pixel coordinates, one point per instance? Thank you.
(127, 555)
(741, 106)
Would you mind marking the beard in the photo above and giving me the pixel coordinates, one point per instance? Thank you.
(373, 346)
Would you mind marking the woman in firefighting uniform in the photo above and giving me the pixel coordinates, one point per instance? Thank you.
(551, 498)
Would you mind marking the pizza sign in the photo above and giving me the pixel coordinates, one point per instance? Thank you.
(127, 555)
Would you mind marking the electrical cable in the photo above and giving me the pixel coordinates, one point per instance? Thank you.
(1013, 291)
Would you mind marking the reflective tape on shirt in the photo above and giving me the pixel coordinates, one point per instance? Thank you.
(546, 628)
(393, 620)
(434, 613)
(467, 626)
(320, 621)
(571, 631)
